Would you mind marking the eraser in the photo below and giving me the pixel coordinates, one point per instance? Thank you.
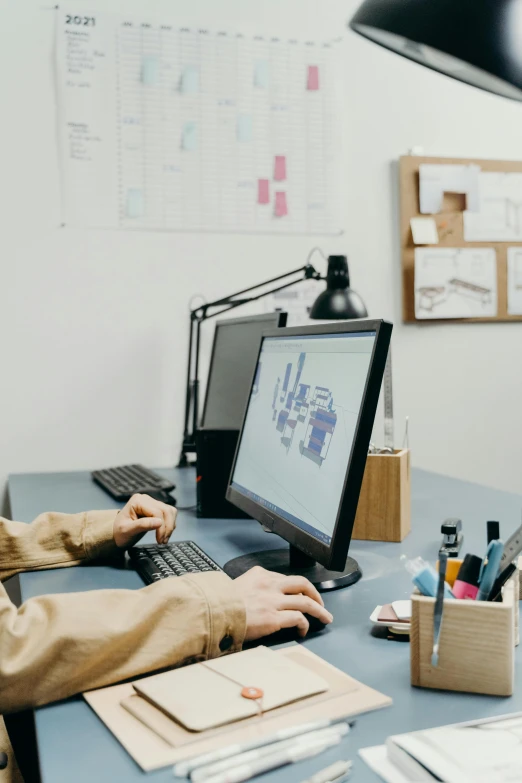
(402, 609)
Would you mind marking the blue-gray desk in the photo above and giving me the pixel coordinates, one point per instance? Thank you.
(73, 744)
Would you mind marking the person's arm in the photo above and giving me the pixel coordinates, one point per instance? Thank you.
(55, 646)
(58, 645)
(54, 540)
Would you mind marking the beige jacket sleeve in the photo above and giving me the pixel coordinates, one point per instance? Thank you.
(57, 645)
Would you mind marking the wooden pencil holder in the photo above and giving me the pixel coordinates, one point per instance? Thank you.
(476, 645)
(384, 509)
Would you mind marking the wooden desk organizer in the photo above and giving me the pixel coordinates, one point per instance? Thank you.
(384, 509)
(476, 648)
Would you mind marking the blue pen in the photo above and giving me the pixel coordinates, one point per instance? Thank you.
(489, 570)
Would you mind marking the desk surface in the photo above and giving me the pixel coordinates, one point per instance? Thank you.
(74, 745)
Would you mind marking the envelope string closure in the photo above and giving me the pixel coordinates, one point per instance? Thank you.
(247, 691)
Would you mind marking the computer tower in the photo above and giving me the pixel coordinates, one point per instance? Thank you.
(215, 451)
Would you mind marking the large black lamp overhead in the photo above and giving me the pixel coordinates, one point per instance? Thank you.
(475, 41)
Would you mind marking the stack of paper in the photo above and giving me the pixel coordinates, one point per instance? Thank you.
(486, 751)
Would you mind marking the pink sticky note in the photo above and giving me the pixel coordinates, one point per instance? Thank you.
(312, 82)
(280, 167)
(263, 192)
(281, 208)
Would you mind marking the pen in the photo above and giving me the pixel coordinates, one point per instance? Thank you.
(332, 774)
(501, 581)
(439, 606)
(202, 773)
(183, 768)
(493, 531)
(489, 569)
(275, 760)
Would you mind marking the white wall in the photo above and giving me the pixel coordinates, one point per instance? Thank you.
(94, 325)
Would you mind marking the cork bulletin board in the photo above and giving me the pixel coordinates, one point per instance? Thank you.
(430, 301)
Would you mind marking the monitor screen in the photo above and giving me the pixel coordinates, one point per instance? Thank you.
(300, 426)
(234, 356)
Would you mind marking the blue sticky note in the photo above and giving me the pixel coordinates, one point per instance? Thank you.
(149, 70)
(244, 127)
(135, 206)
(189, 79)
(189, 137)
(262, 74)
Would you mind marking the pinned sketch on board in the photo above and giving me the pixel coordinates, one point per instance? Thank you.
(514, 280)
(455, 282)
(500, 216)
(476, 213)
(169, 128)
(437, 179)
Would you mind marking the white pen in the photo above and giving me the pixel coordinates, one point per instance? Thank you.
(335, 772)
(183, 768)
(202, 773)
(275, 760)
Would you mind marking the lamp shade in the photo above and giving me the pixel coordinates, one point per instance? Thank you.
(475, 41)
(338, 301)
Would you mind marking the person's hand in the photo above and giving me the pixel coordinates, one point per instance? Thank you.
(274, 601)
(141, 514)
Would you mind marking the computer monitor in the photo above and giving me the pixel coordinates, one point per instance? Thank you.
(234, 356)
(302, 450)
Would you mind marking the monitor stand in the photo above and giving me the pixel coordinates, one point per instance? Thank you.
(292, 561)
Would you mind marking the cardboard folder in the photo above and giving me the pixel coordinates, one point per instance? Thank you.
(154, 740)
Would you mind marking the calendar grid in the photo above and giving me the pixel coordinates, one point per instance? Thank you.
(194, 130)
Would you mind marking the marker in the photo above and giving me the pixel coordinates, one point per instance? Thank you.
(466, 584)
(332, 774)
(424, 577)
(251, 756)
(489, 569)
(183, 768)
(274, 761)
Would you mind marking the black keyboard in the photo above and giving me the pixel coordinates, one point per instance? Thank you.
(154, 561)
(123, 482)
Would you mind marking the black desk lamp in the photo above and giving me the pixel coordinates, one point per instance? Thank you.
(475, 41)
(337, 302)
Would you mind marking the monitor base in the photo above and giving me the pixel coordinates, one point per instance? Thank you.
(292, 562)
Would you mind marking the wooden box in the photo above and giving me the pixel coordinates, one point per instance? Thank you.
(476, 646)
(384, 509)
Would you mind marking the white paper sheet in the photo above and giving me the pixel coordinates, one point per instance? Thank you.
(168, 128)
(455, 282)
(424, 231)
(500, 216)
(483, 751)
(437, 179)
(377, 759)
(514, 280)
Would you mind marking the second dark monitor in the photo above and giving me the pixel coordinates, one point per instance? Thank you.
(233, 361)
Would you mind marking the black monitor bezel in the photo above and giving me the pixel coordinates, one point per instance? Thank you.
(282, 318)
(332, 556)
